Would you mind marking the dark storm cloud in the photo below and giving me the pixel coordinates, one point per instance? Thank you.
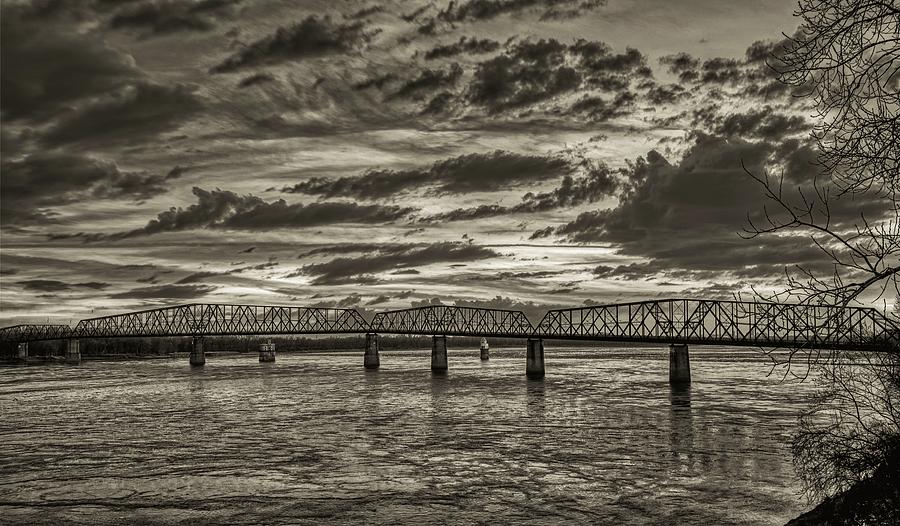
(166, 292)
(665, 94)
(427, 81)
(225, 209)
(256, 78)
(396, 258)
(597, 183)
(52, 285)
(599, 109)
(688, 215)
(169, 16)
(530, 72)
(313, 37)
(132, 114)
(762, 123)
(683, 65)
(48, 66)
(42, 181)
(475, 172)
(465, 45)
(488, 9)
(366, 11)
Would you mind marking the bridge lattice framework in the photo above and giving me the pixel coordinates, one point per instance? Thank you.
(683, 321)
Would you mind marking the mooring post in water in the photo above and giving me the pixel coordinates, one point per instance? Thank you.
(267, 352)
(198, 357)
(534, 360)
(73, 351)
(679, 364)
(371, 359)
(485, 349)
(439, 353)
(23, 351)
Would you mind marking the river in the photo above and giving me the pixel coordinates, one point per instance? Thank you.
(317, 439)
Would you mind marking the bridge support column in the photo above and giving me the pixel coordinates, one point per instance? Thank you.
(23, 351)
(371, 359)
(73, 352)
(534, 361)
(439, 353)
(679, 364)
(485, 350)
(198, 357)
(267, 352)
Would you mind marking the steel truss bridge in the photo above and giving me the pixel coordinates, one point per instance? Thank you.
(686, 321)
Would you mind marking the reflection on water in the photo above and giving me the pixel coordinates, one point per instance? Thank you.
(318, 439)
(682, 425)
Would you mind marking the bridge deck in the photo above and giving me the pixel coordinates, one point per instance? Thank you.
(666, 321)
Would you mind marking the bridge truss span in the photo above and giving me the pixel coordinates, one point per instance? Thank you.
(451, 320)
(26, 332)
(205, 319)
(726, 323)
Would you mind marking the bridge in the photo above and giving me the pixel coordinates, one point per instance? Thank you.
(677, 322)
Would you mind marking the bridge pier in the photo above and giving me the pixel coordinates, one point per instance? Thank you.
(679, 364)
(534, 361)
(371, 359)
(267, 352)
(73, 352)
(439, 354)
(198, 357)
(485, 350)
(23, 351)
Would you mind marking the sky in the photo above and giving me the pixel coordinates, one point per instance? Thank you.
(521, 154)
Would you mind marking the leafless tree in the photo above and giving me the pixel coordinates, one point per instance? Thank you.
(846, 59)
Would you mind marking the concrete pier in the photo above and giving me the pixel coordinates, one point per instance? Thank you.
(267, 352)
(73, 352)
(23, 352)
(679, 364)
(371, 359)
(485, 350)
(439, 353)
(534, 364)
(198, 357)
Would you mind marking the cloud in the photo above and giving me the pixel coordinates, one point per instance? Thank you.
(687, 216)
(428, 80)
(762, 123)
(531, 72)
(361, 269)
(225, 209)
(313, 37)
(465, 45)
(42, 181)
(488, 9)
(166, 292)
(475, 172)
(132, 114)
(255, 79)
(47, 66)
(52, 285)
(598, 182)
(170, 16)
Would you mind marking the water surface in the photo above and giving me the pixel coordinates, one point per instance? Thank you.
(317, 439)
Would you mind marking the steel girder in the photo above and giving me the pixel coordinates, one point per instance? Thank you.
(666, 321)
(726, 323)
(453, 321)
(30, 333)
(204, 319)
